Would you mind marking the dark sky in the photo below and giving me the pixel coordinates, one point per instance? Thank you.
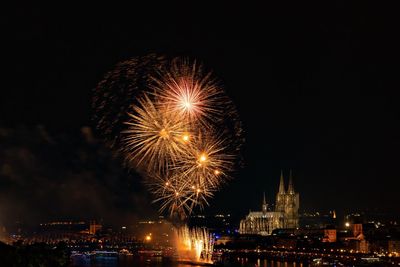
(317, 87)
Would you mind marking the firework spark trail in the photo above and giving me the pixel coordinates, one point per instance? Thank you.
(178, 194)
(194, 177)
(207, 163)
(194, 244)
(154, 138)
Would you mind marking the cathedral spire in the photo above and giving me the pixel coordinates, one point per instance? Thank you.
(290, 187)
(264, 205)
(281, 185)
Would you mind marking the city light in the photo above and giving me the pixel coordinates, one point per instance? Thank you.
(148, 237)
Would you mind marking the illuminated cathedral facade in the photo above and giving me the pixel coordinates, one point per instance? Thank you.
(285, 214)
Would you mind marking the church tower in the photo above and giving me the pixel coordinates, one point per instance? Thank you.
(280, 197)
(291, 206)
(264, 206)
(290, 187)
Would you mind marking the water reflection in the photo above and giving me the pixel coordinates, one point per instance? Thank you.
(160, 262)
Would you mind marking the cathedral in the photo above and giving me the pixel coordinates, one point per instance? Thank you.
(285, 215)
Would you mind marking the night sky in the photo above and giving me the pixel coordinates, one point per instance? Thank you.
(316, 87)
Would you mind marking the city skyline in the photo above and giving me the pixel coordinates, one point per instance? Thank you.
(194, 134)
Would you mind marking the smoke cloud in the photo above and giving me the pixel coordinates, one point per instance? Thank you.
(45, 176)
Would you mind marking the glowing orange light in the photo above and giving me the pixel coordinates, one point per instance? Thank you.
(203, 157)
(186, 104)
(164, 133)
(216, 172)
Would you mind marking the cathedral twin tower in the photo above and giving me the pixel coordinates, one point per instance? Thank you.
(288, 202)
(285, 215)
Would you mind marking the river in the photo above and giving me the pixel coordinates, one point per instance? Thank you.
(158, 262)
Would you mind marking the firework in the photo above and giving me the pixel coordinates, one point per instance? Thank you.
(195, 245)
(188, 92)
(154, 138)
(206, 162)
(174, 124)
(194, 177)
(177, 194)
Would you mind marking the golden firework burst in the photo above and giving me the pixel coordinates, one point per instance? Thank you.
(186, 91)
(176, 136)
(154, 139)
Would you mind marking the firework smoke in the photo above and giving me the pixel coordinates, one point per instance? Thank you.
(118, 91)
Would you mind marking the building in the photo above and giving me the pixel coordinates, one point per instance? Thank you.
(94, 227)
(330, 236)
(285, 215)
(357, 240)
(316, 219)
(394, 246)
